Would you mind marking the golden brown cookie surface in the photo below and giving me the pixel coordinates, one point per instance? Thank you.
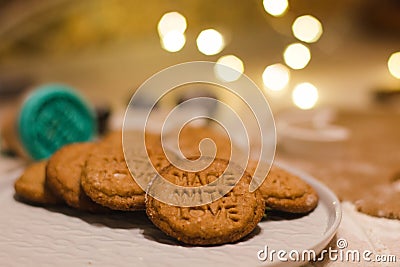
(106, 178)
(286, 192)
(386, 205)
(225, 220)
(64, 176)
(113, 137)
(31, 185)
(190, 137)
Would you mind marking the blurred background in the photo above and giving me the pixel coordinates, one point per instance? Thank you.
(302, 53)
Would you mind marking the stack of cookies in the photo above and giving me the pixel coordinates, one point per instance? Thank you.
(94, 177)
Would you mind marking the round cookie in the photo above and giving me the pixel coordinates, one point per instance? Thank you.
(286, 192)
(153, 140)
(106, 178)
(31, 185)
(225, 220)
(63, 176)
(387, 205)
(191, 136)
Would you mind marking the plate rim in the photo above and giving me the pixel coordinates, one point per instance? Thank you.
(327, 192)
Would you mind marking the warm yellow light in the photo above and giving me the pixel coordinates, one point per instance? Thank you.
(173, 41)
(276, 7)
(172, 21)
(297, 56)
(276, 77)
(305, 95)
(307, 29)
(227, 74)
(394, 65)
(210, 42)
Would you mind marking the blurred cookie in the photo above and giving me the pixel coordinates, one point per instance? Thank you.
(113, 137)
(31, 185)
(153, 141)
(381, 200)
(63, 176)
(225, 220)
(286, 192)
(190, 138)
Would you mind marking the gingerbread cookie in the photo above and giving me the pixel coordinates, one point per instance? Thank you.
(286, 192)
(190, 138)
(31, 185)
(225, 220)
(152, 140)
(387, 205)
(106, 179)
(63, 176)
(113, 137)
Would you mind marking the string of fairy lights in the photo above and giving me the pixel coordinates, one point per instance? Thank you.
(276, 77)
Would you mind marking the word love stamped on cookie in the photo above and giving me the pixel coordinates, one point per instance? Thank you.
(225, 220)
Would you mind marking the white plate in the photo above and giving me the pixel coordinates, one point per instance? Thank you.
(64, 237)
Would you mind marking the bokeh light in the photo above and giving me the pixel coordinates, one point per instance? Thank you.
(172, 21)
(305, 95)
(276, 77)
(307, 29)
(394, 65)
(173, 41)
(297, 56)
(227, 74)
(276, 7)
(210, 42)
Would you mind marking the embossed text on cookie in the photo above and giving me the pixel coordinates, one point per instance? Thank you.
(239, 109)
